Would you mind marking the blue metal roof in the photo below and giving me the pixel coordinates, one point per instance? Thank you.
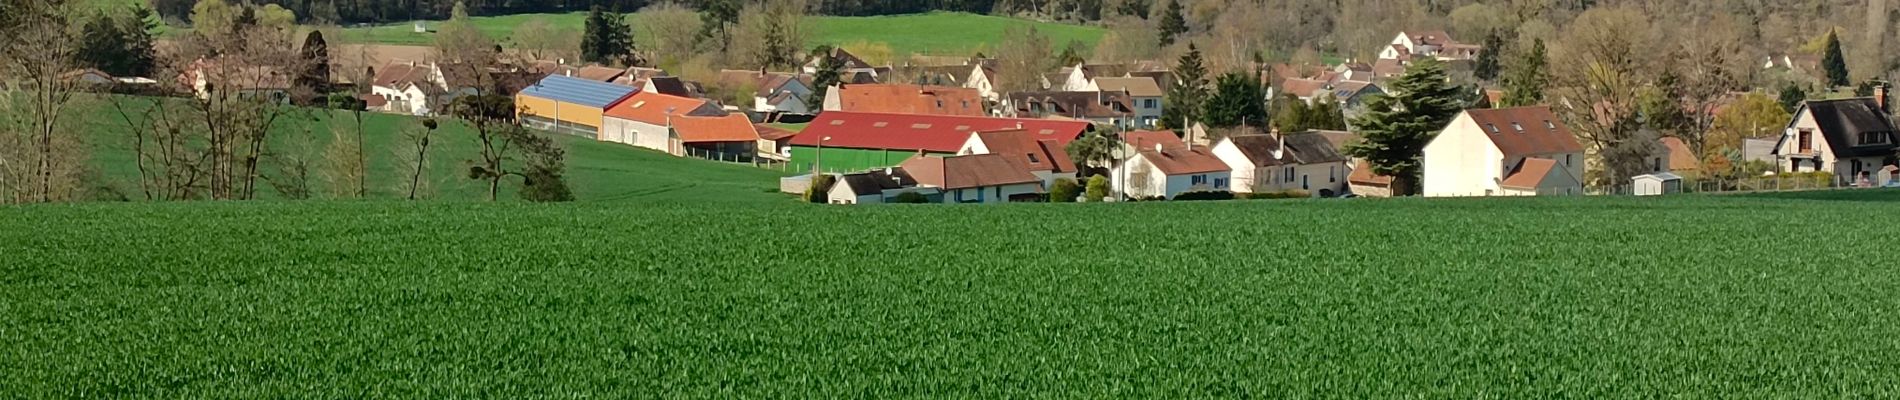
(578, 91)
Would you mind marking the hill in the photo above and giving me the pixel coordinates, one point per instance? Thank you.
(1691, 296)
(597, 171)
(941, 33)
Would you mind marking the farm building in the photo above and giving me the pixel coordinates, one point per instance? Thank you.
(1656, 184)
(568, 105)
(649, 120)
(774, 143)
(975, 178)
(873, 187)
(905, 99)
(848, 141)
(1521, 151)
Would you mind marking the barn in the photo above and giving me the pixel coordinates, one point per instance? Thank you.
(567, 104)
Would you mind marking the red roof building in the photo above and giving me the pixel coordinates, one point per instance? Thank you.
(926, 133)
(906, 99)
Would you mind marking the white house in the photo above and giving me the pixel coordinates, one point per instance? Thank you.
(420, 88)
(1162, 166)
(980, 79)
(1271, 163)
(870, 187)
(772, 91)
(1047, 158)
(1851, 138)
(975, 178)
(1436, 44)
(1519, 151)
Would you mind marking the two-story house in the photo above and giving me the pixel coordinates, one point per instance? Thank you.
(1851, 138)
(1520, 151)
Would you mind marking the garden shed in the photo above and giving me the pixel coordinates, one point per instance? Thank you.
(1656, 184)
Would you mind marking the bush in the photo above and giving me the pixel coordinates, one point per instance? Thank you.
(910, 198)
(1290, 194)
(1097, 190)
(1064, 190)
(820, 190)
(1204, 195)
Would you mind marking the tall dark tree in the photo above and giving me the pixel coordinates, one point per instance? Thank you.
(1833, 62)
(1395, 129)
(1526, 79)
(1238, 100)
(315, 77)
(100, 44)
(830, 70)
(1071, 54)
(717, 17)
(1791, 97)
(607, 38)
(1188, 93)
(1487, 66)
(137, 32)
(1173, 24)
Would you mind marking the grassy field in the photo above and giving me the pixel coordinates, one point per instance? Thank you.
(597, 171)
(1694, 296)
(959, 34)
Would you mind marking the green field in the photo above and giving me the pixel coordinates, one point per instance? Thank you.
(942, 33)
(597, 171)
(1694, 296)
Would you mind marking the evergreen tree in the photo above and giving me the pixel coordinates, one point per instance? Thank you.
(1833, 62)
(1188, 93)
(100, 45)
(1525, 82)
(1173, 24)
(1486, 68)
(1325, 113)
(716, 16)
(1791, 97)
(315, 78)
(607, 38)
(137, 31)
(1396, 128)
(830, 71)
(1237, 100)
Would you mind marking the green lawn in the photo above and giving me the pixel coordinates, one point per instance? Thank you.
(940, 33)
(1678, 297)
(597, 171)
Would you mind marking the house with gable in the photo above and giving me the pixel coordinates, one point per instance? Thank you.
(982, 78)
(771, 91)
(905, 99)
(1144, 97)
(1105, 108)
(1520, 151)
(1436, 44)
(853, 141)
(875, 186)
(1851, 138)
(677, 125)
(1047, 158)
(1279, 163)
(975, 178)
(1162, 166)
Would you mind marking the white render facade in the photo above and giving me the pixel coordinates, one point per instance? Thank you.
(636, 133)
(1463, 161)
(1139, 179)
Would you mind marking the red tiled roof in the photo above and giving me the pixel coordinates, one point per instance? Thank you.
(729, 128)
(769, 132)
(1027, 151)
(1362, 174)
(370, 100)
(913, 132)
(961, 172)
(1530, 173)
(1680, 158)
(1525, 131)
(1148, 139)
(1303, 88)
(1183, 160)
(653, 108)
(598, 73)
(910, 99)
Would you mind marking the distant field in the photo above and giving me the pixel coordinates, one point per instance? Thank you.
(958, 34)
(1681, 297)
(598, 171)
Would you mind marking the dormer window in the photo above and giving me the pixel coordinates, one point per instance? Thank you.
(1032, 158)
(1519, 128)
(1494, 128)
(1548, 125)
(1875, 138)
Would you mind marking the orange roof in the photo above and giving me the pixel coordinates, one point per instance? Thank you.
(653, 108)
(729, 128)
(1362, 174)
(969, 171)
(1529, 174)
(1148, 139)
(1680, 158)
(1028, 151)
(1525, 131)
(769, 132)
(911, 99)
(1183, 160)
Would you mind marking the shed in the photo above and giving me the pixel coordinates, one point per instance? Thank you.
(567, 104)
(1656, 184)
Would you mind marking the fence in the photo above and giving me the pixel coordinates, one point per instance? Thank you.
(1770, 183)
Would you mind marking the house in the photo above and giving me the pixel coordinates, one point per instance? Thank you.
(648, 119)
(1274, 163)
(975, 178)
(1047, 158)
(849, 61)
(638, 76)
(772, 91)
(1082, 76)
(570, 105)
(1850, 138)
(422, 88)
(872, 187)
(1676, 157)
(905, 99)
(204, 77)
(1163, 166)
(1351, 95)
(1435, 44)
(1520, 151)
(599, 74)
(852, 141)
(1143, 93)
(668, 85)
(729, 137)
(774, 143)
(982, 79)
(1106, 108)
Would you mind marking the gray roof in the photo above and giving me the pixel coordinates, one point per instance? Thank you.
(1301, 149)
(876, 181)
(578, 91)
(1842, 121)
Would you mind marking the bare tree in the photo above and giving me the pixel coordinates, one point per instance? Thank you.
(416, 158)
(674, 30)
(1025, 56)
(1598, 82)
(38, 51)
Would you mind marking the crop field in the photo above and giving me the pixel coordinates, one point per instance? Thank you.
(1693, 296)
(597, 171)
(941, 33)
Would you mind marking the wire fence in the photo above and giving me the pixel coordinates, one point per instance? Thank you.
(1767, 183)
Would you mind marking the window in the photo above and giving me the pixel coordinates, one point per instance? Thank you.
(1332, 174)
(1220, 183)
(1197, 180)
(1519, 128)
(1032, 158)
(1567, 161)
(1658, 164)
(1289, 174)
(1548, 125)
(1494, 128)
(1149, 103)
(939, 103)
(1873, 138)
(966, 104)
(1806, 141)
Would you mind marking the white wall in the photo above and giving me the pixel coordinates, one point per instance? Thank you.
(1239, 167)
(1462, 161)
(636, 133)
(990, 194)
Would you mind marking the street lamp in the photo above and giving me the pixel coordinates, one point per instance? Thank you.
(818, 157)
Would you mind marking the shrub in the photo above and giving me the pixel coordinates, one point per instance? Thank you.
(1290, 194)
(1204, 195)
(820, 190)
(1064, 191)
(1097, 190)
(910, 198)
